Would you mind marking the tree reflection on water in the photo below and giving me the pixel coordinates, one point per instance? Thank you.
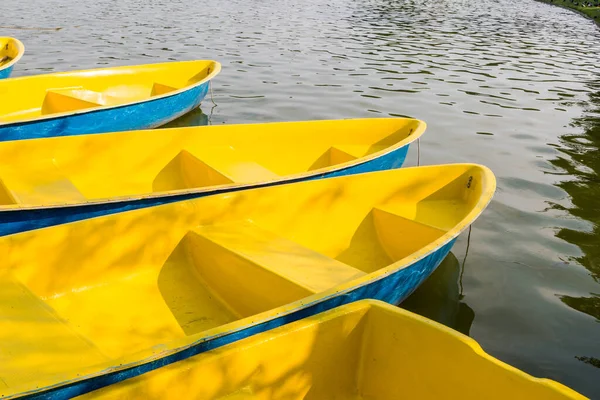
(439, 298)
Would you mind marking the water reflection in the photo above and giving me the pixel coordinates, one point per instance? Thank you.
(595, 362)
(580, 160)
(196, 117)
(440, 298)
(588, 305)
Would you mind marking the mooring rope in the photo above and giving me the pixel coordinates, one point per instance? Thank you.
(462, 267)
(212, 97)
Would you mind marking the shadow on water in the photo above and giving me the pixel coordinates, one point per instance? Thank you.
(440, 298)
(196, 117)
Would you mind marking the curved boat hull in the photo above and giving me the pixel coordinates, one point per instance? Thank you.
(109, 298)
(5, 72)
(15, 220)
(13, 49)
(361, 347)
(392, 289)
(103, 99)
(145, 115)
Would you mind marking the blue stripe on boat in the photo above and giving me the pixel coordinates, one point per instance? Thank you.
(143, 115)
(5, 72)
(15, 220)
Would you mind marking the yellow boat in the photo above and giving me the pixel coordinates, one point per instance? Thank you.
(90, 303)
(56, 180)
(364, 350)
(102, 100)
(11, 51)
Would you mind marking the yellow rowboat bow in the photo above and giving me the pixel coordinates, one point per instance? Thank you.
(364, 350)
(11, 51)
(102, 100)
(50, 181)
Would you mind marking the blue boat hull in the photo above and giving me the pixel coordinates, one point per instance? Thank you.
(143, 115)
(393, 288)
(15, 221)
(5, 72)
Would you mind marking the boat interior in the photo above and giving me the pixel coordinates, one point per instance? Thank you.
(163, 277)
(366, 350)
(9, 50)
(82, 168)
(68, 92)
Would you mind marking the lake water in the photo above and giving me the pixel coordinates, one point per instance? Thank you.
(513, 84)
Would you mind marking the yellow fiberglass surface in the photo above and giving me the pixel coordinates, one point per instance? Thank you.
(117, 166)
(112, 292)
(11, 50)
(52, 95)
(363, 350)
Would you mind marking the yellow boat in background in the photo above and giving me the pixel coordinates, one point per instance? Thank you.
(364, 350)
(94, 302)
(102, 100)
(11, 51)
(56, 180)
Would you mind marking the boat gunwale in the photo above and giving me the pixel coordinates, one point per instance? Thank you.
(403, 314)
(179, 345)
(21, 48)
(99, 108)
(227, 187)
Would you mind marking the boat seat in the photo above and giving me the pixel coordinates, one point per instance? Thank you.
(218, 166)
(160, 89)
(185, 171)
(50, 187)
(339, 154)
(4, 59)
(386, 235)
(198, 76)
(254, 270)
(247, 171)
(393, 229)
(25, 352)
(6, 196)
(73, 99)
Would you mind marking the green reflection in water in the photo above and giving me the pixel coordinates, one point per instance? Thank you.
(590, 360)
(583, 163)
(588, 305)
(439, 298)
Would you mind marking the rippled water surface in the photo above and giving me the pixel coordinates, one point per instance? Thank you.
(513, 84)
